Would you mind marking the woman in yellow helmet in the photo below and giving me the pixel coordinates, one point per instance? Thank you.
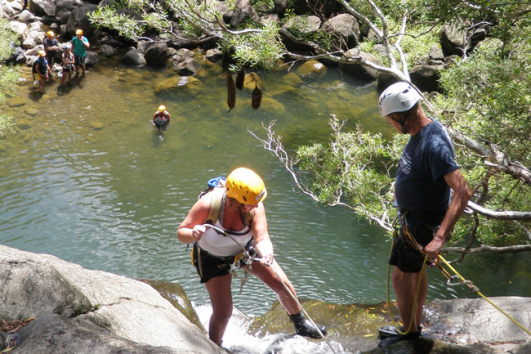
(214, 253)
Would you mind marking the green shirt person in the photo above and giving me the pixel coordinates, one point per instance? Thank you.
(79, 44)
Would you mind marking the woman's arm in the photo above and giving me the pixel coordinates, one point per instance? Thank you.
(191, 228)
(262, 241)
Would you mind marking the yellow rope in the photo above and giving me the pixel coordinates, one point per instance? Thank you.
(415, 303)
(476, 290)
(413, 243)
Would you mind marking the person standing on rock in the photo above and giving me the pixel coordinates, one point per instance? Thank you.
(51, 47)
(80, 43)
(427, 172)
(243, 223)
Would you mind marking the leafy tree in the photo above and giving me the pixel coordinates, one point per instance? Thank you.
(8, 75)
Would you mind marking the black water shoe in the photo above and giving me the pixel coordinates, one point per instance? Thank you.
(391, 331)
(305, 328)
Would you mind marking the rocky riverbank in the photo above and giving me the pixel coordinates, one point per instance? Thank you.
(65, 16)
(76, 310)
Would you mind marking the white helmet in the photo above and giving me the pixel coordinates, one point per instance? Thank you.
(398, 97)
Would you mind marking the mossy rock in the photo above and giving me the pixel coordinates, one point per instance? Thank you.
(292, 79)
(312, 68)
(17, 101)
(283, 91)
(281, 66)
(176, 295)
(271, 105)
(23, 124)
(97, 125)
(179, 83)
(344, 320)
(252, 80)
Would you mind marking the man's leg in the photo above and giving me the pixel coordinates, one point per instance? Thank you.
(406, 285)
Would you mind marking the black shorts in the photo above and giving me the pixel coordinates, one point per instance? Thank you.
(209, 266)
(403, 255)
(79, 60)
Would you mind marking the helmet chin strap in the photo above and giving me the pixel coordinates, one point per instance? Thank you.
(402, 124)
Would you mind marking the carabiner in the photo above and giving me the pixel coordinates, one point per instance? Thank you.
(450, 281)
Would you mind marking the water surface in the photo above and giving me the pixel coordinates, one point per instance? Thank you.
(87, 179)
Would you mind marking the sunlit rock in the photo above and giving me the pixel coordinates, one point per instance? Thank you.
(251, 80)
(178, 83)
(312, 68)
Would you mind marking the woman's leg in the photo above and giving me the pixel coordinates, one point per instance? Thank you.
(221, 298)
(270, 278)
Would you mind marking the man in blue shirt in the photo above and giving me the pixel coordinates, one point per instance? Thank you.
(427, 171)
(79, 43)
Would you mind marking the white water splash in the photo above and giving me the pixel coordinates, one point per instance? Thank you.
(238, 340)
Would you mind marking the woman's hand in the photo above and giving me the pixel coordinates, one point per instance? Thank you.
(197, 232)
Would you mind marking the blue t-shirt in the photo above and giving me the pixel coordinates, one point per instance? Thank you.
(425, 160)
(78, 47)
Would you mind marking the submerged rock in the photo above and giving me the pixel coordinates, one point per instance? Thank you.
(178, 83)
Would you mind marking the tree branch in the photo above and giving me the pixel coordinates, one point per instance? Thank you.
(500, 215)
(489, 249)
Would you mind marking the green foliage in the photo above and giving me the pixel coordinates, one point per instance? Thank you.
(8, 75)
(106, 17)
(7, 39)
(257, 49)
(353, 169)
(488, 96)
(6, 125)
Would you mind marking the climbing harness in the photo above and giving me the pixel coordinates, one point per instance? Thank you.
(248, 259)
(244, 257)
(452, 280)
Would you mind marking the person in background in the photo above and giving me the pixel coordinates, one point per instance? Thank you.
(161, 118)
(68, 62)
(79, 44)
(41, 70)
(427, 172)
(242, 217)
(51, 47)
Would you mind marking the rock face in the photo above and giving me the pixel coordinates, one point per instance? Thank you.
(84, 311)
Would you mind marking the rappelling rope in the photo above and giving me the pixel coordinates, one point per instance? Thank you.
(246, 257)
(413, 243)
(475, 289)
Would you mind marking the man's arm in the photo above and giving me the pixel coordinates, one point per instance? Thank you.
(462, 194)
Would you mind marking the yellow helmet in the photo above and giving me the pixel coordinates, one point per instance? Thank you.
(42, 53)
(245, 186)
(162, 108)
(50, 34)
(79, 31)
